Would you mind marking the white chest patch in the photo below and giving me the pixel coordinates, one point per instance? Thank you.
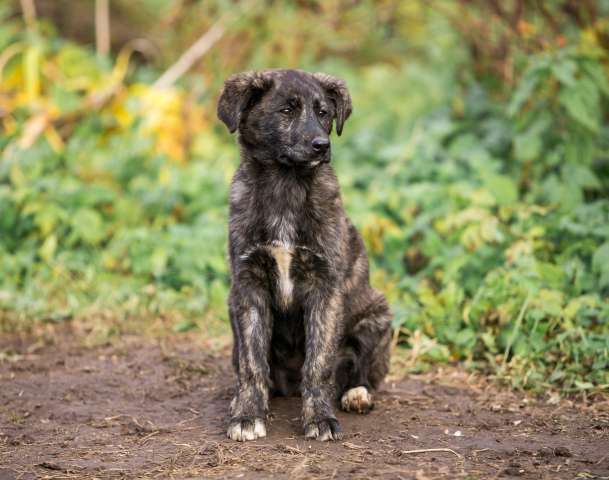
(283, 256)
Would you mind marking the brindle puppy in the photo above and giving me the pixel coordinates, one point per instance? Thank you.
(303, 313)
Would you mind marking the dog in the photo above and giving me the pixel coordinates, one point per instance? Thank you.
(303, 314)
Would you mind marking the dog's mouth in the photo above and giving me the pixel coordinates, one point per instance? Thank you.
(309, 162)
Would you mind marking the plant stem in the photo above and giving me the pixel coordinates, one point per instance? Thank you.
(523, 309)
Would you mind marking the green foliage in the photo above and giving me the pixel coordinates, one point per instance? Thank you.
(485, 209)
(503, 207)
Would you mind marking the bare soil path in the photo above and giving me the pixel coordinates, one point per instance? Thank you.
(144, 409)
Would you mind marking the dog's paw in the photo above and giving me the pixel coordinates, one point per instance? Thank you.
(323, 430)
(246, 428)
(357, 399)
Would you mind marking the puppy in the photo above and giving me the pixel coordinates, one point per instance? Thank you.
(303, 314)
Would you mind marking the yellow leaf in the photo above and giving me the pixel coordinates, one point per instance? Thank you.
(518, 250)
(31, 66)
(47, 250)
(54, 139)
(10, 126)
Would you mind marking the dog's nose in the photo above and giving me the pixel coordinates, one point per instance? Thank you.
(320, 144)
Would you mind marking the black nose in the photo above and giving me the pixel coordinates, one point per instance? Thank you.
(320, 144)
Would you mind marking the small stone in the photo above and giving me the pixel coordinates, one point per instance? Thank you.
(544, 452)
(562, 452)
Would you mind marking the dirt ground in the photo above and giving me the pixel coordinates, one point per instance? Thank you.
(147, 409)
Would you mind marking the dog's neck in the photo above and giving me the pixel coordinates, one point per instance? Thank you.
(277, 168)
(289, 200)
(286, 182)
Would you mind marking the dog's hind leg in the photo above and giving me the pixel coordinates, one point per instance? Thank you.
(364, 357)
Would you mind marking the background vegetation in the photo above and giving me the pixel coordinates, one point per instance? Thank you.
(476, 165)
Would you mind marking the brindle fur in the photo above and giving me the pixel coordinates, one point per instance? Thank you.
(304, 316)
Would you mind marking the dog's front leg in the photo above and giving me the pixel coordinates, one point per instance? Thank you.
(251, 322)
(322, 318)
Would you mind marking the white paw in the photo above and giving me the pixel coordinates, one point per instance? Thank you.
(246, 429)
(357, 399)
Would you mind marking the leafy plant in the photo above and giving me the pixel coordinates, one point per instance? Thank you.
(477, 175)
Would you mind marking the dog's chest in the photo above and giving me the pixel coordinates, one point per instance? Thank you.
(292, 271)
(282, 224)
(282, 228)
(283, 254)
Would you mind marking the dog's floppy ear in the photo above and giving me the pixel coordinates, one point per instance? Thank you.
(238, 94)
(337, 91)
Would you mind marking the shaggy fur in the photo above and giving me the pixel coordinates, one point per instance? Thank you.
(304, 316)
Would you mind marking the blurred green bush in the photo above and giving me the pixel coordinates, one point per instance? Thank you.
(476, 166)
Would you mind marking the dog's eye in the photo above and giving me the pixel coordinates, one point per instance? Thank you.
(322, 113)
(286, 110)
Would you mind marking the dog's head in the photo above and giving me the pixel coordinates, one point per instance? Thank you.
(285, 116)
